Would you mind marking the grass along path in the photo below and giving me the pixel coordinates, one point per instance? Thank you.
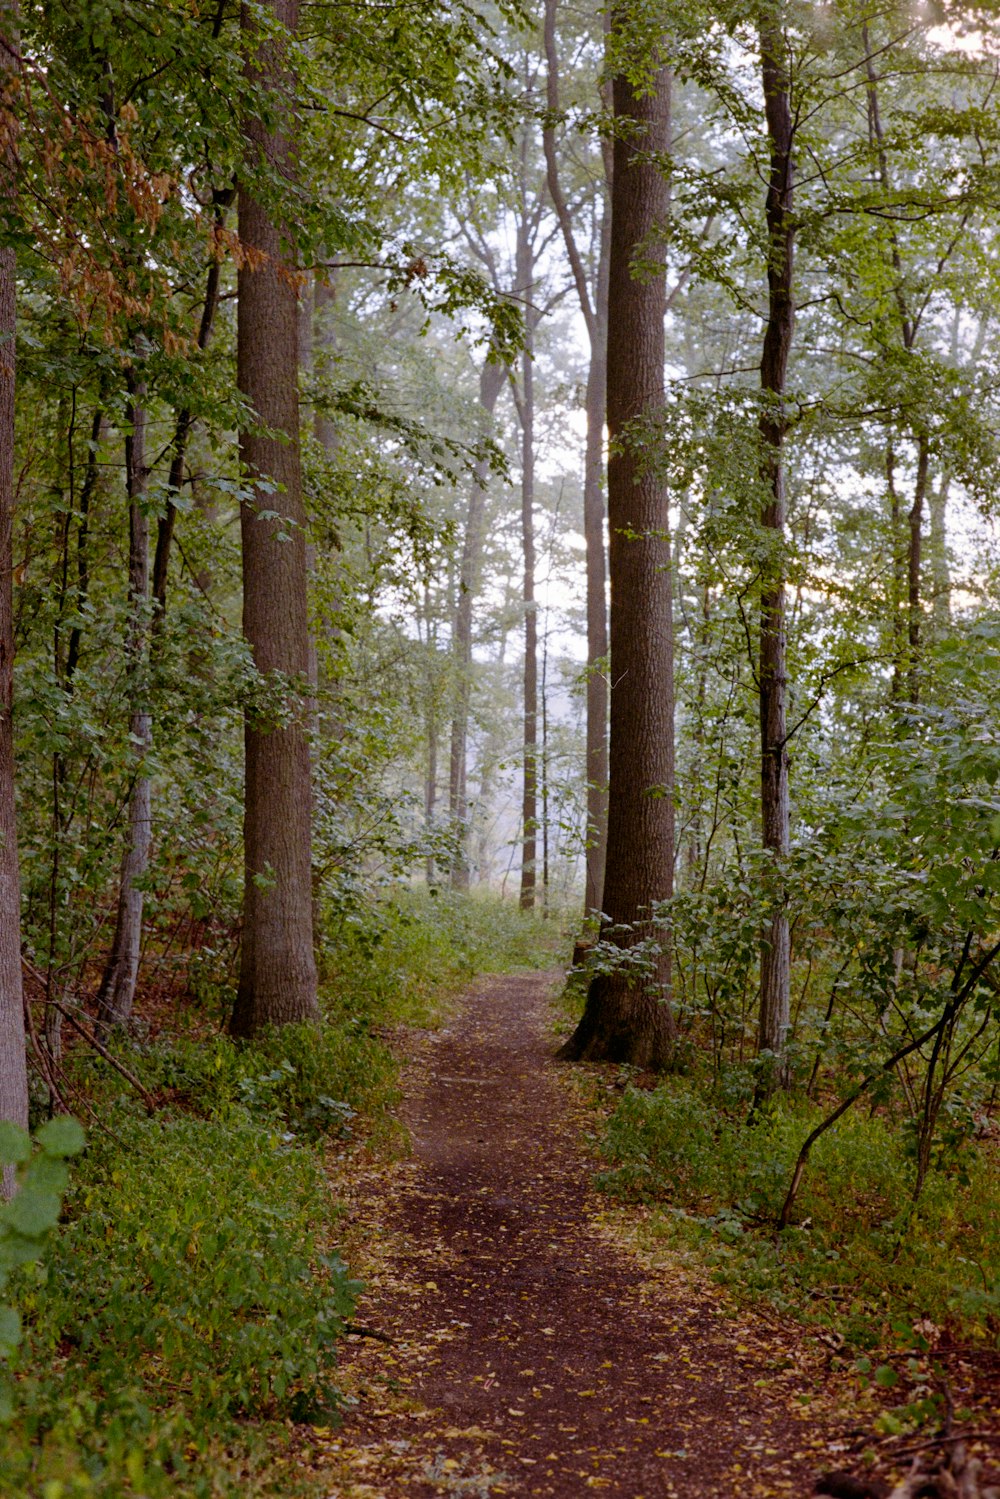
(520, 1349)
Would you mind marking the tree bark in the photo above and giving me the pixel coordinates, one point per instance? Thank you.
(595, 315)
(914, 605)
(775, 963)
(277, 982)
(594, 512)
(13, 1063)
(491, 381)
(182, 431)
(940, 570)
(116, 995)
(628, 1017)
(529, 798)
(906, 639)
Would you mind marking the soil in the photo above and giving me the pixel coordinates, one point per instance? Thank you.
(509, 1343)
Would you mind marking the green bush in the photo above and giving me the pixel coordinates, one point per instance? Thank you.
(311, 1080)
(415, 949)
(863, 1257)
(189, 1256)
(190, 1287)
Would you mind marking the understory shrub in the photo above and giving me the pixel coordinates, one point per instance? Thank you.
(395, 962)
(862, 1256)
(308, 1080)
(191, 1287)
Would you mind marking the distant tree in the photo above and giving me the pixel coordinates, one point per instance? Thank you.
(592, 293)
(277, 982)
(117, 992)
(628, 1017)
(492, 378)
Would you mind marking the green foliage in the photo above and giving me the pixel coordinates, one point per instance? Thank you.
(28, 1218)
(191, 1301)
(401, 959)
(862, 1257)
(303, 1081)
(192, 1286)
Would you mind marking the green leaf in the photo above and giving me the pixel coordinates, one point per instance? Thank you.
(886, 1376)
(14, 1144)
(10, 1330)
(33, 1213)
(63, 1136)
(46, 1173)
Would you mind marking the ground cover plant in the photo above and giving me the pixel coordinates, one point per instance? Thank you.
(188, 1306)
(862, 1258)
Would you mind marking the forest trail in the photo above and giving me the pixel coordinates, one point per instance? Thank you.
(530, 1354)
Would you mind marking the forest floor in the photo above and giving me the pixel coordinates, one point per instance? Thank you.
(512, 1342)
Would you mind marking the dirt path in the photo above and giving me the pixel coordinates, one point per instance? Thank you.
(530, 1355)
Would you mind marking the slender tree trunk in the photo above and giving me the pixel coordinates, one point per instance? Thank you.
(182, 432)
(594, 512)
(491, 381)
(544, 767)
(116, 995)
(628, 1017)
(430, 789)
(940, 572)
(897, 686)
(529, 800)
(62, 820)
(324, 298)
(595, 314)
(914, 604)
(906, 639)
(775, 965)
(277, 982)
(13, 1063)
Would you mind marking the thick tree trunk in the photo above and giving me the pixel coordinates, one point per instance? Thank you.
(13, 1064)
(775, 969)
(628, 1017)
(117, 992)
(529, 799)
(491, 381)
(595, 314)
(277, 981)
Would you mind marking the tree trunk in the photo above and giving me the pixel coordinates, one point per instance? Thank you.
(182, 431)
(628, 1017)
(940, 571)
(13, 1063)
(914, 605)
(277, 982)
(529, 800)
(775, 974)
(595, 314)
(897, 634)
(491, 381)
(906, 638)
(430, 790)
(116, 995)
(597, 604)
